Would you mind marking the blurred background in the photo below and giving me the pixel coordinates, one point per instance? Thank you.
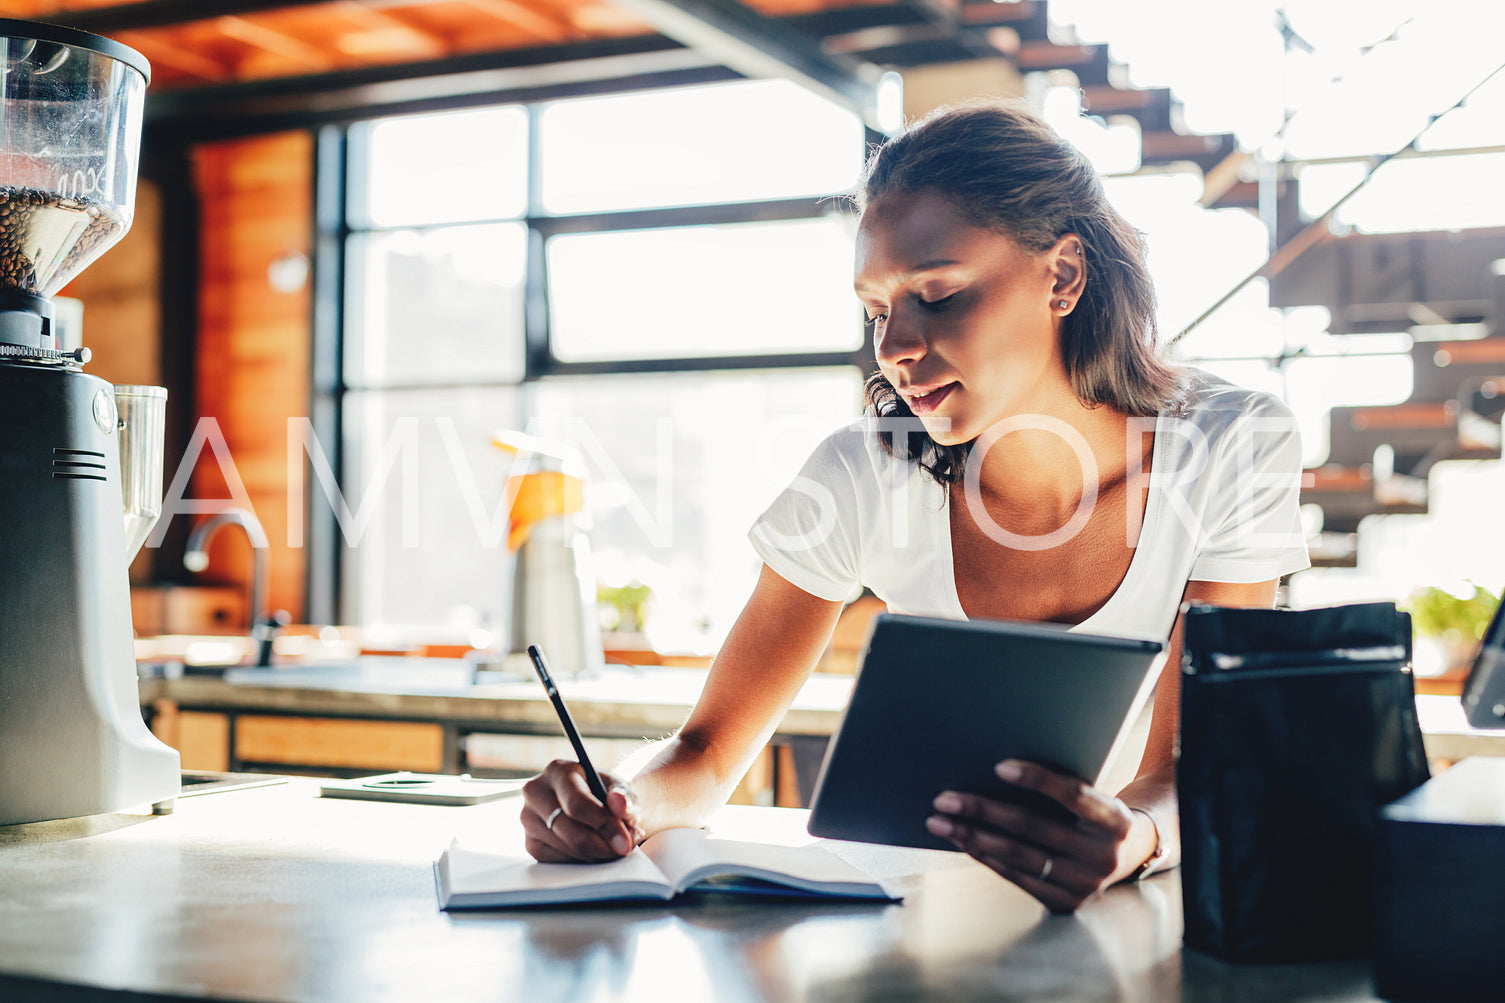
(622, 226)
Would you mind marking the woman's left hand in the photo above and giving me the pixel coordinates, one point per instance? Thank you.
(1063, 864)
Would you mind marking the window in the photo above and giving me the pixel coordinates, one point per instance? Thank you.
(680, 464)
(740, 142)
(433, 303)
(704, 290)
(453, 167)
(660, 280)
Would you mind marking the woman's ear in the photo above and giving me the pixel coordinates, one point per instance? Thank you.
(1068, 265)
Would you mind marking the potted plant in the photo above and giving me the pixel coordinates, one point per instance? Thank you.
(1454, 622)
(624, 614)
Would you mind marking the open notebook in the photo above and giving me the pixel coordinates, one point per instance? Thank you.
(666, 865)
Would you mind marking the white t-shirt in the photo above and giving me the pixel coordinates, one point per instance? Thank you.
(1223, 506)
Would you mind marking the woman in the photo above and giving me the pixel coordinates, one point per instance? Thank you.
(1060, 472)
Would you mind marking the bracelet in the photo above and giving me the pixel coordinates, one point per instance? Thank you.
(1157, 856)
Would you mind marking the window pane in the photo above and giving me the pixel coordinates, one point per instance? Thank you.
(444, 168)
(747, 288)
(1246, 327)
(425, 545)
(1460, 192)
(1315, 385)
(435, 306)
(1188, 276)
(678, 466)
(1253, 375)
(759, 139)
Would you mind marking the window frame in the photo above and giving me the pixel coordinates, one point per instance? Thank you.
(338, 169)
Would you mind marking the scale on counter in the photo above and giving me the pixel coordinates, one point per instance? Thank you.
(423, 788)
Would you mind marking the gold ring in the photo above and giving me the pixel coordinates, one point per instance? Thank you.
(548, 823)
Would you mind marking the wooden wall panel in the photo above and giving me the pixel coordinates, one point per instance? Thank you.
(122, 302)
(255, 341)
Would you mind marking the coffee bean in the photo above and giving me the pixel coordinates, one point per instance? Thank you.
(46, 239)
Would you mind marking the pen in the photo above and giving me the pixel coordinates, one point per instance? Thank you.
(592, 778)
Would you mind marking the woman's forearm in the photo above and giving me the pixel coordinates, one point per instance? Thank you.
(1154, 792)
(767, 656)
(675, 784)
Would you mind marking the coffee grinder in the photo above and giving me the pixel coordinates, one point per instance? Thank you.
(72, 738)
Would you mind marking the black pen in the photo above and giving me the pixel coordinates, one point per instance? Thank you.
(592, 778)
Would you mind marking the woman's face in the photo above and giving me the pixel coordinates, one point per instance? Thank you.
(966, 322)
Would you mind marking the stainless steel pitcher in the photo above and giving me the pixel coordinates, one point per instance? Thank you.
(553, 584)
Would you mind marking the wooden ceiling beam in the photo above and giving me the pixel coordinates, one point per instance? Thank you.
(741, 39)
(884, 37)
(276, 42)
(415, 41)
(993, 12)
(1219, 181)
(539, 73)
(177, 58)
(147, 14)
(167, 13)
(525, 18)
(36, 9)
(732, 34)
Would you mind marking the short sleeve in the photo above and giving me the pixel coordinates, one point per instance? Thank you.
(1253, 523)
(809, 534)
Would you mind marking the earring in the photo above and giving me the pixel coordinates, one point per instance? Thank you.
(1065, 304)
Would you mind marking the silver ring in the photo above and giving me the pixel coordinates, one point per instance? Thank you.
(548, 823)
(1045, 871)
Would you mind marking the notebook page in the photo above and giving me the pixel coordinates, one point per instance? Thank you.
(473, 877)
(689, 855)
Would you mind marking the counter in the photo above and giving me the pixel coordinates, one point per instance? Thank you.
(621, 699)
(274, 894)
(435, 715)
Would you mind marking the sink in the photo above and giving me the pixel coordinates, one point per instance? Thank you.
(379, 673)
(197, 649)
(214, 654)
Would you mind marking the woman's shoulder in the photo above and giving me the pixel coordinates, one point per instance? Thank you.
(855, 448)
(1235, 424)
(1213, 402)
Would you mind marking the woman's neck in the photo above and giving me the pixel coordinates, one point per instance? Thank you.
(1043, 457)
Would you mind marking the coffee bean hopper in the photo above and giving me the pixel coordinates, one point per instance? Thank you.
(73, 448)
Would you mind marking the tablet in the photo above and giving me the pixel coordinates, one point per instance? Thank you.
(1484, 690)
(937, 703)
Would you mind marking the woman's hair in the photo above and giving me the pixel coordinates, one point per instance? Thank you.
(1009, 172)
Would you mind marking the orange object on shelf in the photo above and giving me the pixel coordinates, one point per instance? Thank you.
(537, 496)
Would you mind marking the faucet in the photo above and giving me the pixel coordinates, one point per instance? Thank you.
(196, 558)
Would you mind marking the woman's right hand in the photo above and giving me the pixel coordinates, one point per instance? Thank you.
(564, 823)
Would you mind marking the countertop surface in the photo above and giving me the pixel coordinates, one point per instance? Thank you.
(275, 894)
(651, 698)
